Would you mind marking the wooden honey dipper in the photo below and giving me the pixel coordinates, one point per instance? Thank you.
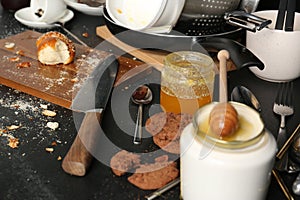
(223, 119)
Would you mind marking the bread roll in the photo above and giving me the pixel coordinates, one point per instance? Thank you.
(55, 48)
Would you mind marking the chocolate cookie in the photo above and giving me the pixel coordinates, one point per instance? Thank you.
(155, 175)
(166, 129)
(123, 162)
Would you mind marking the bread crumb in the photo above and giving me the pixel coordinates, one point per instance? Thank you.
(50, 150)
(13, 127)
(74, 80)
(44, 106)
(9, 45)
(49, 113)
(20, 52)
(23, 65)
(85, 34)
(13, 142)
(52, 125)
(59, 158)
(14, 59)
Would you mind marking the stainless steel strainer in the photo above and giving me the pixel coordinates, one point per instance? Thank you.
(204, 17)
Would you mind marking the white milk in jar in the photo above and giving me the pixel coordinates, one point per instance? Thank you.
(234, 168)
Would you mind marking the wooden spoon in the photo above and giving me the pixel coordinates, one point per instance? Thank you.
(223, 118)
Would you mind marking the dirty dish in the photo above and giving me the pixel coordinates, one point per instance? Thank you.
(26, 17)
(142, 15)
(84, 8)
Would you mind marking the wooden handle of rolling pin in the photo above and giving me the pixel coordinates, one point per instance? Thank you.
(78, 158)
(223, 56)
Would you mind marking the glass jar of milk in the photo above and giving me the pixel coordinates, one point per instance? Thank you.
(233, 168)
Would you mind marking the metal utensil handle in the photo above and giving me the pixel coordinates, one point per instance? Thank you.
(281, 14)
(70, 33)
(165, 188)
(138, 127)
(290, 15)
(282, 185)
(245, 20)
(282, 164)
(281, 137)
(288, 143)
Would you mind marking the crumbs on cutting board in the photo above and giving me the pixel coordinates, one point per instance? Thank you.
(29, 124)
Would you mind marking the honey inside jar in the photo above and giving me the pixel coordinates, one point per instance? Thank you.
(187, 81)
(244, 132)
(171, 103)
(250, 129)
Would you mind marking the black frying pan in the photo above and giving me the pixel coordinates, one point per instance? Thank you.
(177, 41)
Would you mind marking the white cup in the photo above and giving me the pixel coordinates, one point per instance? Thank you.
(48, 11)
(279, 50)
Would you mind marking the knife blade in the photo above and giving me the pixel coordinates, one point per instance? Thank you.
(92, 100)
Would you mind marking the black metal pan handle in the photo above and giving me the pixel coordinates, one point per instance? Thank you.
(240, 55)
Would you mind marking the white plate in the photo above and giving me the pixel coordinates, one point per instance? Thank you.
(96, 11)
(28, 18)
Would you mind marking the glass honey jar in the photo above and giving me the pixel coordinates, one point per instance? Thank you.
(187, 80)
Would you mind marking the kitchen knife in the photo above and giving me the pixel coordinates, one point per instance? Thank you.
(91, 99)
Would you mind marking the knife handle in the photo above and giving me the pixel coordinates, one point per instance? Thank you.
(79, 158)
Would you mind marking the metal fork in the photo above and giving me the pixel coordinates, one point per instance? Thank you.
(283, 106)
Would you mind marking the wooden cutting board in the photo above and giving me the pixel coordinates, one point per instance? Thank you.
(56, 84)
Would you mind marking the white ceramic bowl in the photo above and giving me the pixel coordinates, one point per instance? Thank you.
(142, 15)
(279, 50)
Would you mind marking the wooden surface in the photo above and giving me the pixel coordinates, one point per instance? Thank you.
(57, 84)
(152, 57)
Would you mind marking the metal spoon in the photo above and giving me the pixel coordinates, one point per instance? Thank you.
(141, 96)
(244, 95)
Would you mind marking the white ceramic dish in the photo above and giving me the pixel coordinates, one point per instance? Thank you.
(95, 11)
(278, 49)
(135, 14)
(150, 16)
(28, 18)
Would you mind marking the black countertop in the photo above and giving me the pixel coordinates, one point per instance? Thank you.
(30, 172)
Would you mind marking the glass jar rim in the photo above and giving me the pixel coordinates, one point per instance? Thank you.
(187, 56)
(232, 144)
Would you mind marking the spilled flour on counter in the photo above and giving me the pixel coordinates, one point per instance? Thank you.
(23, 121)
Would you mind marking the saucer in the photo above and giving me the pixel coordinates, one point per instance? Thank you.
(28, 18)
(96, 11)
